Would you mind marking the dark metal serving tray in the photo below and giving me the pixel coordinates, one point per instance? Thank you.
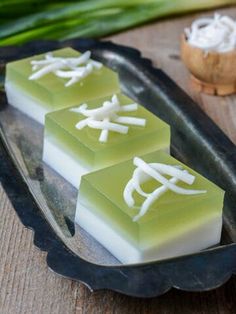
(46, 203)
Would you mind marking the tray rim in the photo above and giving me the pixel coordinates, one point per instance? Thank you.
(55, 244)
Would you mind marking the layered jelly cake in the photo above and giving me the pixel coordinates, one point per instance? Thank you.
(55, 80)
(150, 207)
(100, 133)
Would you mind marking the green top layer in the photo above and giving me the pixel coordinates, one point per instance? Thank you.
(170, 215)
(50, 90)
(84, 144)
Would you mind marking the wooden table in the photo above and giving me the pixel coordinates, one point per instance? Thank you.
(28, 286)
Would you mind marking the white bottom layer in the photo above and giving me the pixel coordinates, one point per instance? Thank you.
(26, 104)
(63, 163)
(193, 241)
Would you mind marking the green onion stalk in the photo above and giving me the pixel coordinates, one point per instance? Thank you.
(62, 20)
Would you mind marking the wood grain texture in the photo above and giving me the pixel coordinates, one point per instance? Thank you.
(28, 286)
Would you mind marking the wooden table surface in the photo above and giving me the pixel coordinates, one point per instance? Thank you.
(28, 286)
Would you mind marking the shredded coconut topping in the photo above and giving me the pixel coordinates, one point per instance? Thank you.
(145, 172)
(217, 33)
(73, 69)
(106, 118)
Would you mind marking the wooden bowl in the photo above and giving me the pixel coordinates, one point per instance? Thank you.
(212, 72)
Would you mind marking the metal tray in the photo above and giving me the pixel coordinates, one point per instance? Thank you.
(46, 203)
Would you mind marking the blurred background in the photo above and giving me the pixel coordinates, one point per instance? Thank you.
(26, 20)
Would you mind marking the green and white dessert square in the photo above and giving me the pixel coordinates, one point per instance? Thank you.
(100, 133)
(55, 80)
(150, 208)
